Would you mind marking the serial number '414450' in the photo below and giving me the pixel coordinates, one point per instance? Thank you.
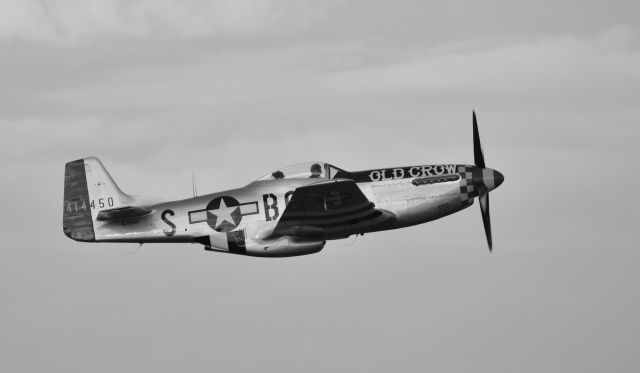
(80, 205)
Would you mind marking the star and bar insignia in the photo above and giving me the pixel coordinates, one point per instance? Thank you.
(223, 214)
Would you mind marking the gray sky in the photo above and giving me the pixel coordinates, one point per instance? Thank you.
(233, 89)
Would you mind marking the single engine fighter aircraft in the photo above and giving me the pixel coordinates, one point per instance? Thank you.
(290, 211)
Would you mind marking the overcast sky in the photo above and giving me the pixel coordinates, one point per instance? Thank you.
(230, 90)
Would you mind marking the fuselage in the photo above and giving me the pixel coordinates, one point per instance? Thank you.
(411, 195)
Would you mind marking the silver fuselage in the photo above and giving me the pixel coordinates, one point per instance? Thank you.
(409, 200)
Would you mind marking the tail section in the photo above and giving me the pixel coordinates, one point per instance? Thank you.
(88, 189)
(104, 193)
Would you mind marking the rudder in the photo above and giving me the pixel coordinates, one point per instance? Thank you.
(77, 222)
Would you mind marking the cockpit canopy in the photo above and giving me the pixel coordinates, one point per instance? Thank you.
(305, 170)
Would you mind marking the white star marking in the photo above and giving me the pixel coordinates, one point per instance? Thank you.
(224, 214)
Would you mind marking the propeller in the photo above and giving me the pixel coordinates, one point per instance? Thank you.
(483, 196)
(478, 156)
(490, 180)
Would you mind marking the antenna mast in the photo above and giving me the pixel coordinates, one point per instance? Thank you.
(193, 185)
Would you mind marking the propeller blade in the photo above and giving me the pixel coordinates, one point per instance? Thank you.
(477, 147)
(483, 196)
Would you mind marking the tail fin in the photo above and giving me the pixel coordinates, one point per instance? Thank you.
(88, 188)
(102, 189)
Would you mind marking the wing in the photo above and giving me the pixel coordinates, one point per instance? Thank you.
(329, 209)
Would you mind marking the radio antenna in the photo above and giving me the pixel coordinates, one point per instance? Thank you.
(193, 185)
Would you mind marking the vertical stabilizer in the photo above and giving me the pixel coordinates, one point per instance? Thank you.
(103, 191)
(88, 189)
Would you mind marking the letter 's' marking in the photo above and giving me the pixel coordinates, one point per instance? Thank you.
(169, 223)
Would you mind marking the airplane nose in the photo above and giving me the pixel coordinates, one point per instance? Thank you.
(491, 178)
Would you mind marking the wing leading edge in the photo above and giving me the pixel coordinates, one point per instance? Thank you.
(329, 209)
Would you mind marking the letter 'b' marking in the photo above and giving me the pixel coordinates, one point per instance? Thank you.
(271, 211)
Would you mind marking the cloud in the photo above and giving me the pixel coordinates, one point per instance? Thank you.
(282, 94)
(81, 22)
(562, 67)
(338, 81)
(620, 37)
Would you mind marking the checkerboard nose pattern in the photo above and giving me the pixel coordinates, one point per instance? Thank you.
(473, 177)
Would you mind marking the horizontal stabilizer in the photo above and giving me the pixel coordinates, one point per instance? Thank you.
(122, 213)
